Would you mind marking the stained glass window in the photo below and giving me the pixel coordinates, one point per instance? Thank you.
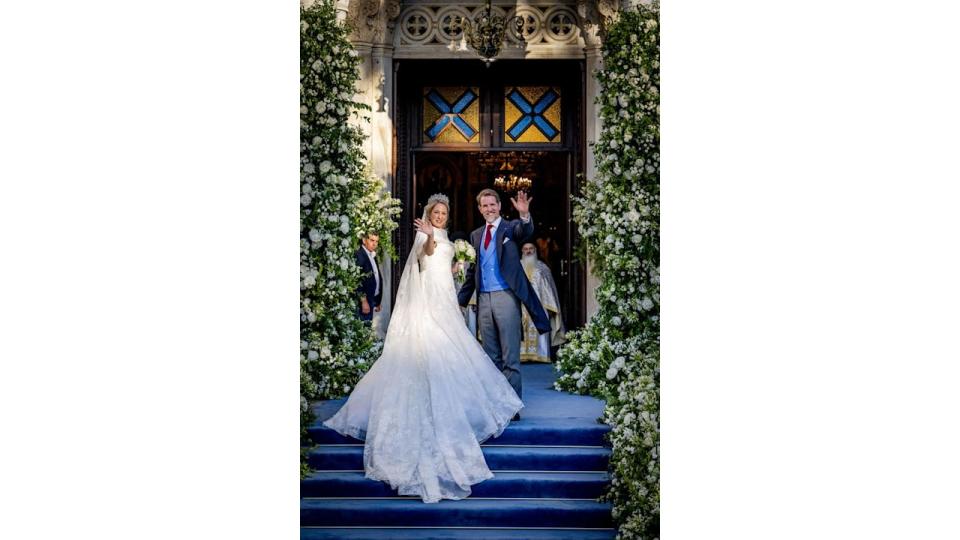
(451, 114)
(531, 114)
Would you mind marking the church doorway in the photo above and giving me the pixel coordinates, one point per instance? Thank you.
(461, 127)
(461, 175)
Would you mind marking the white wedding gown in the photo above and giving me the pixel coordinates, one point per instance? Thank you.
(433, 395)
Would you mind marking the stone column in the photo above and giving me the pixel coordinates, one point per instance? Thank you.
(342, 6)
(594, 60)
(380, 145)
(592, 23)
(371, 23)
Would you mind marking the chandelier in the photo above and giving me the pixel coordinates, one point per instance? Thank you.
(507, 181)
(512, 182)
(511, 171)
(485, 33)
(511, 160)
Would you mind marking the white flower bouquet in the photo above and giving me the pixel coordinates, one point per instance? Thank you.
(463, 253)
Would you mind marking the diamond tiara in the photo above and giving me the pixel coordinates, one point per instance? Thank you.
(438, 197)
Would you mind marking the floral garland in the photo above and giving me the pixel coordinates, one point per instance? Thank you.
(616, 355)
(340, 202)
(633, 413)
(377, 212)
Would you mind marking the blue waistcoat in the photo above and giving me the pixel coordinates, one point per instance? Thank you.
(490, 278)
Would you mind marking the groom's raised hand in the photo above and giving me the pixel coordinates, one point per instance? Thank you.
(522, 204)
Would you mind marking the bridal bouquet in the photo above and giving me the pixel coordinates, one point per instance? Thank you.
(463, 253)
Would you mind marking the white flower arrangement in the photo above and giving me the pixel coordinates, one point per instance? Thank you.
(340, 201)
(616, 355)
(463, 253)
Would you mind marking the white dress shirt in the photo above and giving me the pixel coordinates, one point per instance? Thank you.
(376, 271)
(496, 225)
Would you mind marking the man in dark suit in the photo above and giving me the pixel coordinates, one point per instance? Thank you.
(371, 281)
(502, 284)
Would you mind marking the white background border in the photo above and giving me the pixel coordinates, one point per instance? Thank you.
(810, 280)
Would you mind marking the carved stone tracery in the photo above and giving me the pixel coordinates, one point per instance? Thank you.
(431, 29)
(428, 29)
(550, 28)
(372, 21)
(596, 16)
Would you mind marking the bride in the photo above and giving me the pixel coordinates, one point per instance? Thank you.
(433, 395)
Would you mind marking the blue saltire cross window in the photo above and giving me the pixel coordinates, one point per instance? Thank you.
(450, 114)
(532, 114)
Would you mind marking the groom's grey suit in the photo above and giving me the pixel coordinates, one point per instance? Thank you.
(500, 292)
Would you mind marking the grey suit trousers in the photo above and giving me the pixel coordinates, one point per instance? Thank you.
(498, 316)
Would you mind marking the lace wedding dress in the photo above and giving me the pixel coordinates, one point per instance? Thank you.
(433, 395)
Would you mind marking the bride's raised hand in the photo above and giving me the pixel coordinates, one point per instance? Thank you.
(423, 226)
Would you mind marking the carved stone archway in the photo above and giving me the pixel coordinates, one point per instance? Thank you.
(384, 30)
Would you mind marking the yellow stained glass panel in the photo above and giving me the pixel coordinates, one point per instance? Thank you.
(451, 114)
(532, 114)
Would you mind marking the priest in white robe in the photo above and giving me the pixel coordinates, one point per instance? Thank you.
(535, 346)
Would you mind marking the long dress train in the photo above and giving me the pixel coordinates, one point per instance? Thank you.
(433, 395)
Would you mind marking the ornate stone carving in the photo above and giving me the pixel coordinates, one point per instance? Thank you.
(608, 8)
(369, 8)
(595, 16)
(391, 8)
(372, 21)
(428, 29)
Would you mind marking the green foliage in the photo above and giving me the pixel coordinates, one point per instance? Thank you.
(633, 412)
(376, 212)
(616, 355)
(340, 201)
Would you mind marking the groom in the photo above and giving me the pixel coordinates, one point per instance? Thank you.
(502, 284)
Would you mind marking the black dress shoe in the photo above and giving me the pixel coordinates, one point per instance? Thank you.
(516, 417)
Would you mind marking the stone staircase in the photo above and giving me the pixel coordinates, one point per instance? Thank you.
(549, 467)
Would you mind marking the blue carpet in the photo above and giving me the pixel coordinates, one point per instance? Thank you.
(548, 417)
(404, 511)
(504, 458)
(543, 430)
(527, 484)
(440, 533)
(549, 468)
(539, 398)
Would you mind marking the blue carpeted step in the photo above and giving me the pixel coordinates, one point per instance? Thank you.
(537, 431)
(395, 511)
(549, 467)
(572, 485)
(503, 458)
(439, 533)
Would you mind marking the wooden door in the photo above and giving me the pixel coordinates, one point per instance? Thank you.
(448, 164)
